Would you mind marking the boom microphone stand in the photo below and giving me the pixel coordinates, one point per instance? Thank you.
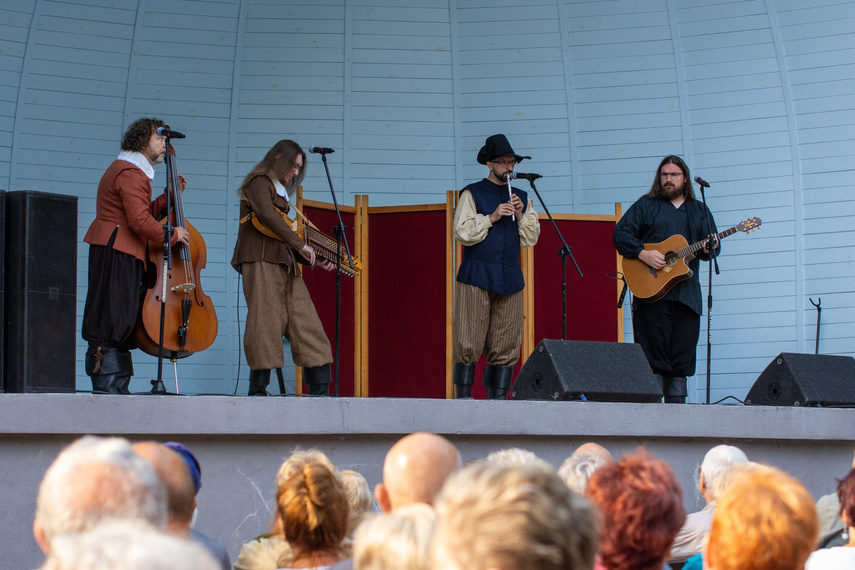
(713, 261)
(339, 232)
(563, 253)
(157, 386)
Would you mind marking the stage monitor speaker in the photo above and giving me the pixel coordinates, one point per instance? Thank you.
(586, 370)
(41, 292)
(793, 379)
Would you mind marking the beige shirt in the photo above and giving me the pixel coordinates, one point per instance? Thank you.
(692, 537)
(470, 227)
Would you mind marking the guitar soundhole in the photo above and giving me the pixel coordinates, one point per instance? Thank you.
(670, 259)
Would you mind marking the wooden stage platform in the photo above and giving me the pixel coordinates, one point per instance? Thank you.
(241, 441)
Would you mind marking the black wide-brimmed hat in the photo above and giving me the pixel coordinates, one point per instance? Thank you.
(497, 146)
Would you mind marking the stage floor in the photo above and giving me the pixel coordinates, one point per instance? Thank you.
(241, 441)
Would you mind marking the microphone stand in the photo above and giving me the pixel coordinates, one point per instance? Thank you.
(563, 253)
(157, 386)
(339, 232)
(713, 261)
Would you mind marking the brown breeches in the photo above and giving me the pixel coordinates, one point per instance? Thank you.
(487, 322)
(278, 305)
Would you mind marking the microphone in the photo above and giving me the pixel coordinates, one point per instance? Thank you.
(320, 150)
(170, 134)
(702, 182)
(531, 177)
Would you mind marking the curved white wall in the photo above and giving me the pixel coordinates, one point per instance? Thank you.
(756, 95)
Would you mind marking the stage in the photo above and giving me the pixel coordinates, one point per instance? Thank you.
(241, 441)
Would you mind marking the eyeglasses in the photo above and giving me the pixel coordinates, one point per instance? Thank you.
(667, 175)
(507, 163)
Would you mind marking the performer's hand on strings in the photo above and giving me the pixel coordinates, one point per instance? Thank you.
(325, 263)
(182, 234)
(504, 209)
(182, 182)
(653, 258)
(518, 206)
(309, 254)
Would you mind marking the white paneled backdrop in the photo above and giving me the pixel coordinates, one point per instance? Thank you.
(757, 95)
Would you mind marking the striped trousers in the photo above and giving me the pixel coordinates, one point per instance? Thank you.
(487, 322)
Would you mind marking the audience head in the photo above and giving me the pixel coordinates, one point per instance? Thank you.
(94, 479)
(126, 545)
(359, 499)
(591, 448)
(311, 504)
(764, 520)
(192, 463)
(717, 460)
(513, 517)
(846, 496)
(415, 469)
(641, 510)
(577, 469)
(173, 472)
(400, 539)
(514, 456)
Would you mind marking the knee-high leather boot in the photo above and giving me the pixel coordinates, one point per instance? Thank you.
(317, 378)
(258, 381)
(497, 380)
(675, 390)
(126, 371)
(463, 378)
(102, 365)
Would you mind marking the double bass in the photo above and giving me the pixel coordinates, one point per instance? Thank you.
(190, 321)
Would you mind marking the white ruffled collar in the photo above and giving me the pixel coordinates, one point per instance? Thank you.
(139, 160)
(280, 189)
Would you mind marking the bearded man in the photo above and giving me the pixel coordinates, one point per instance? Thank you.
(668, 329)
(126, 219)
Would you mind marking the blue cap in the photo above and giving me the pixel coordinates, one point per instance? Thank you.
(192, 462)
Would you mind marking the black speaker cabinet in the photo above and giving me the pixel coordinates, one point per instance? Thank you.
(793, 379)
(585, 370)
(41, 292)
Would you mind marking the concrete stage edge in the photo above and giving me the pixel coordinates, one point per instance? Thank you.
(241, 442)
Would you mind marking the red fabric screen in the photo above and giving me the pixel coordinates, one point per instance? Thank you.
(321, 285)
(592, 299)
(406, 304)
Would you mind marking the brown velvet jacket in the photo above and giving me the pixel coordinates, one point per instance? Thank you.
(124, 202)
(252, 245)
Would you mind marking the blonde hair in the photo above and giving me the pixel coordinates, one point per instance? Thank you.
(514, 517)
(766, 519)
(359, 498)
(311, 503)
(400, 539)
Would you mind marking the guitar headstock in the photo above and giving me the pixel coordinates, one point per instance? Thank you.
(749, 225)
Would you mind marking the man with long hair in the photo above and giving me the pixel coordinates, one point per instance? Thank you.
(125, 220)
(668, 329)
(277, 300)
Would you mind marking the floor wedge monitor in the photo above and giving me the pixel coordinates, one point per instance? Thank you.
(794, 379)
(586, 370)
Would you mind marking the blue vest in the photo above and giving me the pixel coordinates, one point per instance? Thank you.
(494, 263)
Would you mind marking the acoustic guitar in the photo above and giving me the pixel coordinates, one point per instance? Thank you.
(649, 284)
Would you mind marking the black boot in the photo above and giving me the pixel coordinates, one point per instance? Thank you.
(661, 381)
(126, 370)
(675, 390)
(258, 381)
(463, 378)
(103, 366)
(317, 378)
(497, 380)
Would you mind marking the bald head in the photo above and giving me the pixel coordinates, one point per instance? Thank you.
(415, 469)
(594, 449)
(175, 476)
